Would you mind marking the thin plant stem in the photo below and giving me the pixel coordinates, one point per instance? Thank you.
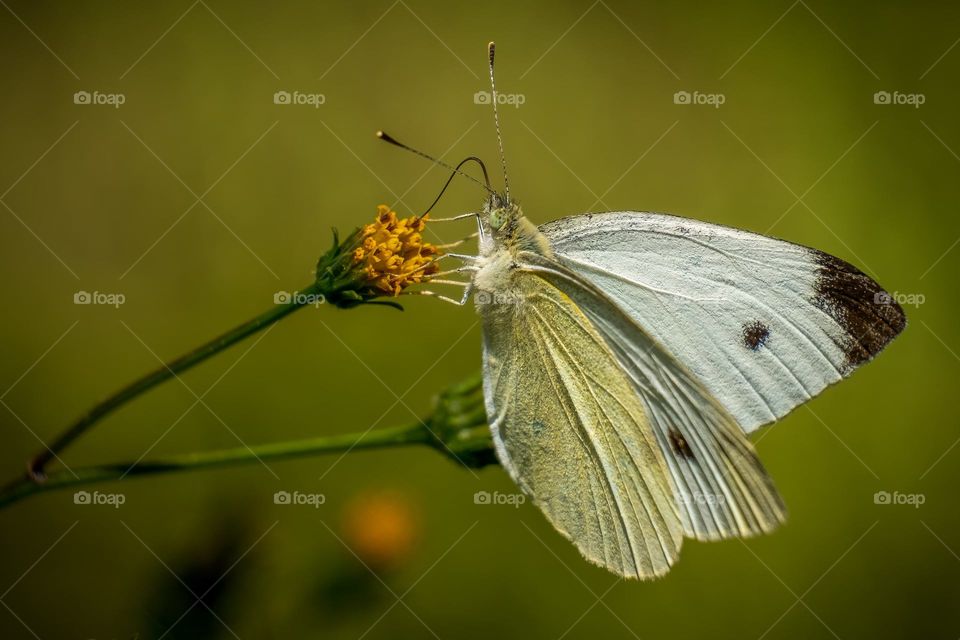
(36, 467)
(415, 433)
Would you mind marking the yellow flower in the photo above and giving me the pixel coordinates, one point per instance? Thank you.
(392, 253)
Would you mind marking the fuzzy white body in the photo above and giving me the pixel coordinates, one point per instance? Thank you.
(499, 258)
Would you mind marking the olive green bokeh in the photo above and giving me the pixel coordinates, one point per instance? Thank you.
(598, 129)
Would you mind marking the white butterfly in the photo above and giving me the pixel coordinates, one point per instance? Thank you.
(627, 355)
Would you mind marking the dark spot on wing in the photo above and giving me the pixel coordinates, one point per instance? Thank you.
(755, 334)
(679, 444)
(869, 316)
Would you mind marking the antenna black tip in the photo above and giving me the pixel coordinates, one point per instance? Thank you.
(383, 135)
(491, 49)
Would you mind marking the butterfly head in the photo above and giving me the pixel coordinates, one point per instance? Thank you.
(503, 226)
(500, 214)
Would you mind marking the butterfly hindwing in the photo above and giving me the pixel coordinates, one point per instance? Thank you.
(571, 431)
(721, 487)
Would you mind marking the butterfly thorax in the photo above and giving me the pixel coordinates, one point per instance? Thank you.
(507, 234)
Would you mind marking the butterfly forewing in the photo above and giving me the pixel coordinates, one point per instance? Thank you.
(764, 324)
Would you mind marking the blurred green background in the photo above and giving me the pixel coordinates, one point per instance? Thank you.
(105, 199)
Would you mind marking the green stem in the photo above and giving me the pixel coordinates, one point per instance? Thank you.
(24, 487)
(36, 466)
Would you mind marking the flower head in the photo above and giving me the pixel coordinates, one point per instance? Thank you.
(392, 253)
(379, 259)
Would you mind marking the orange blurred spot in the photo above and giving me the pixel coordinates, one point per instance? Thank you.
(381, 528)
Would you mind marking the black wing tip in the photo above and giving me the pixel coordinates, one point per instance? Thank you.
(869, 315)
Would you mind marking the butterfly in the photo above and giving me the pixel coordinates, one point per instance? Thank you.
(628, 355)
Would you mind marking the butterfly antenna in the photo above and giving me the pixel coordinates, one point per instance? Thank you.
(491, 50)
(456, 170)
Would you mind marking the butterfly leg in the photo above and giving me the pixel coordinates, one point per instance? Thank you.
(466, 267)
(462, 256)
(436, 295)
(454, 245)
(463, 216)
(466, 293)
(441, 273)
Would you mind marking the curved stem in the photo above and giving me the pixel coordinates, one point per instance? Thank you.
(24, 487)
(166, 371)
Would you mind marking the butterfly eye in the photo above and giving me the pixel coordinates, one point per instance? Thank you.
(497, 218)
